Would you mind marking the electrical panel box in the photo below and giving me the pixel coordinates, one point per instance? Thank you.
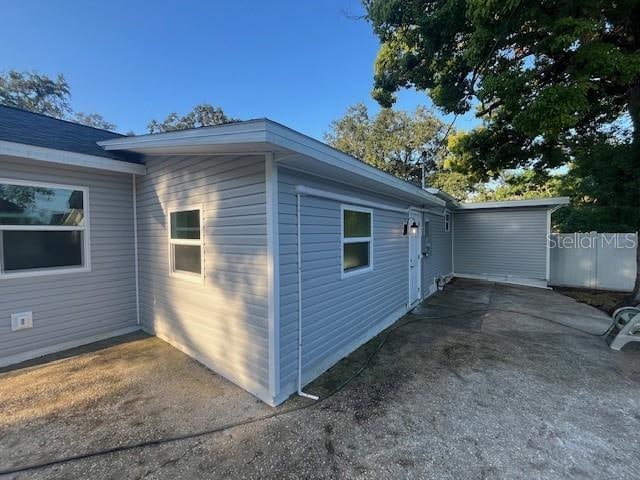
(21, 321)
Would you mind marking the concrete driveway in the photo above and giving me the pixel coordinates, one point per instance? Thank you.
(486, 394)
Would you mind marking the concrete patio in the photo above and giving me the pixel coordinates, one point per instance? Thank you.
(478, 392)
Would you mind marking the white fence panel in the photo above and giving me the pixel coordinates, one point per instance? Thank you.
(603, 261)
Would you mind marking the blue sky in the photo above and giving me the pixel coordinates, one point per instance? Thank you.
(301, 63)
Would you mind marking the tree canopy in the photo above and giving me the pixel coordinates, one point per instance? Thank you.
(35, 92)
(555, 84)
(202, 115)
(41, 94)
(548, 78)
(397, 142)
(92, 120)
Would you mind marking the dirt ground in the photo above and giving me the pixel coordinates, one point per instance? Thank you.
(478, 392)
(601, 299)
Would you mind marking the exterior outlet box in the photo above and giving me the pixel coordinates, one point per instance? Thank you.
(21, 321)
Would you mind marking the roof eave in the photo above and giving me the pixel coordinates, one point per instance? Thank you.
(264, 131)
(64, 157)
(538, 202)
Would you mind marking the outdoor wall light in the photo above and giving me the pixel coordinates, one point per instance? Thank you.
(414, 227)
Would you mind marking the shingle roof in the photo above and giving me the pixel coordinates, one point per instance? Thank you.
(22, 126)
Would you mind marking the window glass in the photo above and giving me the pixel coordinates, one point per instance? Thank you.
(187, 258)
(185, 243)
(356, 255)
(357, 224)
(32, 205)
(35, 249)
(185, 225)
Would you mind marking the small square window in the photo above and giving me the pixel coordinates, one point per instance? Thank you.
(185, 243)
(357, 240)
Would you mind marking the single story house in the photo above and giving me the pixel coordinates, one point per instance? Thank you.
(264, 254)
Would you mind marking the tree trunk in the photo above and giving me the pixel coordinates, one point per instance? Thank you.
(634, 112)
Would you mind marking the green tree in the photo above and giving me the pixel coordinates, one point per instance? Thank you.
(41, 94)
(522, 185)
(93, 120)
(35, 92)
(549, 79)
(397, 142)
(202, 115)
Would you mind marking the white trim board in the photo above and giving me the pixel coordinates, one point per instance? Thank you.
(59, 347)
(539, 202)
(64, 157)
(273, 272)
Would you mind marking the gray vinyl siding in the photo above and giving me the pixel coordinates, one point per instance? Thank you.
(73, 308)
(508, 242)
(338, 314)
(223, 322)
(439, 262)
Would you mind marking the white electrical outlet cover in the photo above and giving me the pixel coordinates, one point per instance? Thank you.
(21, 321)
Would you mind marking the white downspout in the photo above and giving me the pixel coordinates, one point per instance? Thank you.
(300, 392)
(135, 247)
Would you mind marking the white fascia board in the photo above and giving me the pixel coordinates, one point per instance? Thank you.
(251, 131)
(540, 202)
(266, 131)
(63, 157)
(444, 195)
(292, 140)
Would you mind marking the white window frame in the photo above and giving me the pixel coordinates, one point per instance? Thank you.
(343, 240)
(193, 277)
(447, 221)
(85, 229)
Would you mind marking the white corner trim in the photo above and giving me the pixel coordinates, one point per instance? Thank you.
(135, 245)
(273, 273)
(62, 157)
(548, 245)
(250, 386)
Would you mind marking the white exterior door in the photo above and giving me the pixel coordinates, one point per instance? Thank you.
(415, 252)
